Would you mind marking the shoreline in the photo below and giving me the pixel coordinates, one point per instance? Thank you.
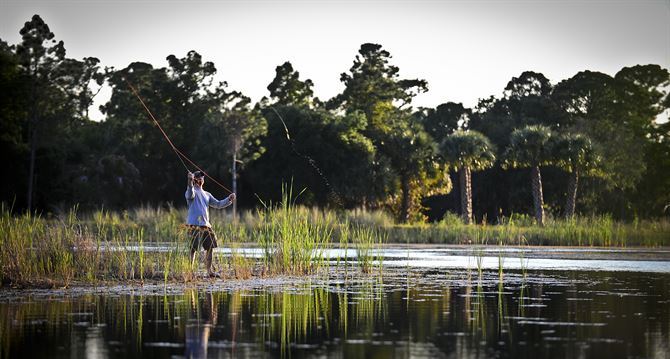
(257, 277)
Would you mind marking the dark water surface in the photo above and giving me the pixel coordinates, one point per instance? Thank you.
(408, 311)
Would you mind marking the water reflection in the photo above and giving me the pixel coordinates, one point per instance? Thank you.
(428, 313)
(199, 328)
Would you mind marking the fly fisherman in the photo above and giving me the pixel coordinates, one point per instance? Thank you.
(200, 230)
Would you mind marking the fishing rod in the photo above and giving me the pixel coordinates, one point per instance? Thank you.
(183, 157)
(176, 150)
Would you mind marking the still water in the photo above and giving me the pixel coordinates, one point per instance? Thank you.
(411, 308)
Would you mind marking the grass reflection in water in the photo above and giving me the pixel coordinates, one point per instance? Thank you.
(423, 313)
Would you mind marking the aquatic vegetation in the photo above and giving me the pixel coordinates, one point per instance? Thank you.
(104, 245)
(290, 242)
(579, 231)
(368, 247)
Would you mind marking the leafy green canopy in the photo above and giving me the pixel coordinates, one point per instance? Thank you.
(444, 119)
(372, 80)
(288, 89)
(318, 138)
(575, 152)
(468, 149)
(529, 147)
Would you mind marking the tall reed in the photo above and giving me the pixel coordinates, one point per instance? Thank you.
(291, 243)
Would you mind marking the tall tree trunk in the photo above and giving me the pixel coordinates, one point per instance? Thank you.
(572, 194)
(538, 200)
(466, 194)
(404, 205)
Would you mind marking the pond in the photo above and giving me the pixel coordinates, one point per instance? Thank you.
(424, 302)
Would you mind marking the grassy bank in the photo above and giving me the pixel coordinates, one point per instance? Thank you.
(599, 231)
(158, 225)
(111, 246)
(105, 246)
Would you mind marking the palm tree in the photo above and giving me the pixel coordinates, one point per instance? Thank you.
(575, 154)
(468, 151)
(529, 147)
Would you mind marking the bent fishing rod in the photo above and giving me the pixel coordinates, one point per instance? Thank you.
(176, 150)
(183, 157)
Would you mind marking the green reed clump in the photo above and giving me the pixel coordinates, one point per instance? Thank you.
(291, 243)
(368, 243)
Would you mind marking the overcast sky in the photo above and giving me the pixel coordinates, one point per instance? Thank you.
(466, 50)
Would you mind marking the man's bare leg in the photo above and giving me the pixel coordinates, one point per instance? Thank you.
(208, 261)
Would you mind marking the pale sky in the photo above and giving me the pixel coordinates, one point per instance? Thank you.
(466, 50)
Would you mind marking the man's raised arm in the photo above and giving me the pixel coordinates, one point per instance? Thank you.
(190, 193)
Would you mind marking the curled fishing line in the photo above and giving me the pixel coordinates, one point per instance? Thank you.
(309, 160)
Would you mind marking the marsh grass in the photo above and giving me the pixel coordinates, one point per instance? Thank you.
(105, 245)
(582, 231)
(368, 243)
(291, 243)
(36, 251)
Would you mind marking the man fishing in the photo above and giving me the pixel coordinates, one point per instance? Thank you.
(200, 230)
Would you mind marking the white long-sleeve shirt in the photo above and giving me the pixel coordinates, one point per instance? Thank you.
(199, 201)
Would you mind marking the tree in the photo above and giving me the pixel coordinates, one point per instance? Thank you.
(590, 99)
(180, 96)
(575, 154)
(14, 92)
(131, 134)
(233, 129)
(622, 110)
(530, 148)
(322, 152)
(373, 88)
(467, 151)
(373, 80)
(644, 91)
(526, 101)
(528, 84)
(39, 56)
(445, 119)
(411, 151)
(58, 93)
(287, 88)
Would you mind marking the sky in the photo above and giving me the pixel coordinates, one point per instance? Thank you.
(466, 50)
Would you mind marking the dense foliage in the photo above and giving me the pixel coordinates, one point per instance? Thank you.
(365, 147)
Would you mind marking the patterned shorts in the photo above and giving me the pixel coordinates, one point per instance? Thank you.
(200, 235)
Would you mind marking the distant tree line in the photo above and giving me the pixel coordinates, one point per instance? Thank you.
(588, 144)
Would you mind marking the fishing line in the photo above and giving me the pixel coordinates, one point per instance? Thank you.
(309, 160)
(179, 154)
